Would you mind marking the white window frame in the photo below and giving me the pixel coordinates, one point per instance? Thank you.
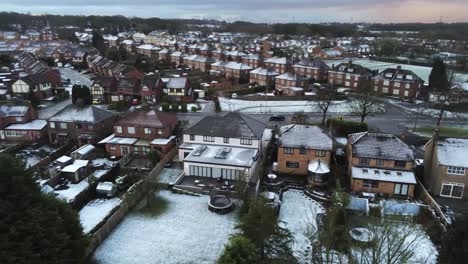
(456, 171)
(452, 185)
(119, 129)
(401, 189)
(131, 130)
(246, 141)
(63, 125)
(52, 124)
(147, 131)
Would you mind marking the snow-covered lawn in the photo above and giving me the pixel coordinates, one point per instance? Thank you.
(248, 106)
(299, 212)
(74, 189)
(95, 211)
(187, 232)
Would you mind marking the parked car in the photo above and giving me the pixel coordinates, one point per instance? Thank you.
(277, 118)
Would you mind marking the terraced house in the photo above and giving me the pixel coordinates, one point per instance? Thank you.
(380, 163)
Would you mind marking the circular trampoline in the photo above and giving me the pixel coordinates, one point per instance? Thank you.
(362, 235)
(221, 204)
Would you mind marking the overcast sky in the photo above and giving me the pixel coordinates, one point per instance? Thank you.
(257, 10)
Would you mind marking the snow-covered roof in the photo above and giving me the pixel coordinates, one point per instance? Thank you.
(318, 166)
(392, 207)
(237, 66)
(277, 60)
(105, 186)
(264, 71)
(176, 83)
(379, 145)
(88, 114)
(383, 175)
(84, 149)
(73, 190)
(289, 76)
(64, 159)
(77, 164)
(453, 152)
(221, 155)
(112, 139)
(33, 125)
(303, 136)
(162, 141)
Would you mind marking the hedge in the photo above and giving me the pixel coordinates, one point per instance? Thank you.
(344, 127)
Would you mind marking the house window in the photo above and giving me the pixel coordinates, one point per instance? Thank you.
(292, 164)
(131, 130)
(400, 189)
(63, 125)
(302, 151)
(370, 184)
(364, 161)
(160, 131)
(90, 127)
(19, 119)
(119, 129)
(52, 125)
(379, 162)
(288, 151)
(451, 189)
(246, 141)
(456, 170)
(400, 163)
(320, 153)
(112, 147)
(146, 150)
(136, 151)
(192, 137)
(147, 131)
(208, 139)
(226, 140)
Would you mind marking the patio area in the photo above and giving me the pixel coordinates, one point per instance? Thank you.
(208, 184)
(184, 231)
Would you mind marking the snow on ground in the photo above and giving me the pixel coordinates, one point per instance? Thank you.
(248, 106)
(103, 162)
(169, 176)
(95, 211)
(187, 232)
(428, 111)
(299, 212)
(74, 189)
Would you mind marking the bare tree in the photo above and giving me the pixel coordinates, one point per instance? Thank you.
(366, 102)
(446, 95)
(325, 98)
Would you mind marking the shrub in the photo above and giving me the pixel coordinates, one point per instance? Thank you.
(344, 127)
(194, 109)
(183, 108)
(175, 107)
(165, 107)
(120, 106)
(154, 156)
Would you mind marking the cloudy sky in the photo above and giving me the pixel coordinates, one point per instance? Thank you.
(257, 10)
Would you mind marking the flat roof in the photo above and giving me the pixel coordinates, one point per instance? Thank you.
(223, 155)
(383, 175)
(112, 139)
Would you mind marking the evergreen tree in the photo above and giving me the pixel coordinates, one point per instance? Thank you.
(455, 243)
(81, 95)
(98, 42)
(240, 250)
(438, 79)
(261, 226)
(34, 227)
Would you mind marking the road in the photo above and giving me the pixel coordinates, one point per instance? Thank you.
(395, 120)
(74, 76)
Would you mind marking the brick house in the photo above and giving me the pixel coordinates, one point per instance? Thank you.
(103, 88)
(139, 132)
(263, 76)
(327, 54)
(127, 90)
(380, 163)
(398, 82)
(306, 151)
(219, 54)
(312, 69)
(348, 75)
(281, 65)
(446, 167)
(177, 89)
(19, 123)
(177, 57)
(253, 60)
(288, 80)
(165, 55)
(82, 125)
(235, 55)
(198, 62)
(38, 84)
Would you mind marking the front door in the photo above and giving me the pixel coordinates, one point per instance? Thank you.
(2, 134)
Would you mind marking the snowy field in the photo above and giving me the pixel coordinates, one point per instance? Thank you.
(298, 212)
(187, 232)
(247, 106)
(95, 211)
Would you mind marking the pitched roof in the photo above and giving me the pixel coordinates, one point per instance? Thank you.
(13, 110)
(176, 83)
(453, 152)
(148, 118)
(380, 145)
(232, 125)
(88, 114)
(302, 136)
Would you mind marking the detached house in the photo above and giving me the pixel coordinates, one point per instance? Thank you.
(37, 84)
(19, 123)
(380, 163)
(83, 125)
(223, 147)
(348, 75)
(103, 88)
(177, 89)
(398, 82)
(305, 151)
(290, 83)
(280, 65)
(446, 167)
(141, 131)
